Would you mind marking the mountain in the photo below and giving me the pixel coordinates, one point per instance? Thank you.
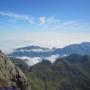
(68, 73)
(32, 47)
(31, 51)
(20, 63)
(11, 77)
(35, 54)
(83, 49)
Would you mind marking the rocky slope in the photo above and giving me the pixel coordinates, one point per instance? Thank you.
(11, 76)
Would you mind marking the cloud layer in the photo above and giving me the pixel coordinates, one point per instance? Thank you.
(31, 61)
(46, 23)
(45, 31)
(26, 18)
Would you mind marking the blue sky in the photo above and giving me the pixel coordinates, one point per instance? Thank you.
(44, 22)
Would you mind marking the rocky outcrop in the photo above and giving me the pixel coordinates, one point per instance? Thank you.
(11, 76)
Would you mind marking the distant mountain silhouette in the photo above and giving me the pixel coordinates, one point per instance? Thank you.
(83, 49)
(37, 51)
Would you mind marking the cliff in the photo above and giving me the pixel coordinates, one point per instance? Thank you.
(11, 76)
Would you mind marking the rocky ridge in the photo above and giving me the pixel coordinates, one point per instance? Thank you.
(11, 76)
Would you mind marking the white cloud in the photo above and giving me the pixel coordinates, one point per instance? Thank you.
(49, 22)
(18, 16)
(14, 40)
(46, 23)
(31, 61)
(53, 20)
(52, 23)
(53, 32)
(42, 20)
(35, 50)
(52, 58)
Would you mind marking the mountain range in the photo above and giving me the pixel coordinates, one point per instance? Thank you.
(70, 69)
(35, 54)
(67, 73)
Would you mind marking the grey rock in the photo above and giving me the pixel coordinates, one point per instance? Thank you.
(11, 75)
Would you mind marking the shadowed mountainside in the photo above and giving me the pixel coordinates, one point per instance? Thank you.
(69, 73)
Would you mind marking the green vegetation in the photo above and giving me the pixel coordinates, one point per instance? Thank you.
(69, 73)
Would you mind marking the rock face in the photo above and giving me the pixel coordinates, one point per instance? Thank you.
(11, 76)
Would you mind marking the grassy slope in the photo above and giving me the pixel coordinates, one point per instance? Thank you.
(62, 75)
(70, 73)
